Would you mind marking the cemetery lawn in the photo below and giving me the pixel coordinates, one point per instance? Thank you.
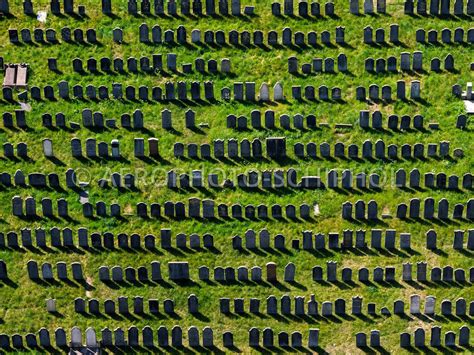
(22, 304)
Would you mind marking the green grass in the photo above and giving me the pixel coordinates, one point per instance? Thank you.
(22, 308)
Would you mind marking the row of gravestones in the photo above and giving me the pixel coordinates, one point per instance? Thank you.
(105, 241)
(178, 211)
(46, 207)
(68, 7)
(380, 275)
(357, 210)
(339, 306)
(255, 121)
(285, 306)
(391, 63)
(218, 37)
(278, 242)
(283, 339)
(129, 274)
(172, 92)
(242, 122)
(39, 180)
(406, 122)
(328, 308)
(406, 151)
(445, 308)
(226, 93)
(438, 7)
(264, 240)
(435, 339)
(49, 36)
(317, 65)
(318, 242)
(431, 36)
(92, 306)
(429, 209)
(188, 8)
(228, 274)
(156, 65)
(21, 150)
(39, 36)
(380, 150)
(177, 271)
(157, 93)
(368, 7)
(458, 240)
(95, 120)
(421, 35)
(31, 340)
(118, 338)
(309, 242)
(269, 180)
(308, 92)
(167, 121)
(20, 119)
(446, 274)
(237, 211)
(59, 122)
(101, 150)
(380, 65)
(116, 180)
(374, 340)
(35, 180)
(375, 93)
(368, 35)
(163, 338)
(288, 179)
(55, 6)
(47, 273)
(275, 149)
(96, 150)
(254, 149)
(305, 9)
(243, 38)
(432, 180)
(128, 121)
